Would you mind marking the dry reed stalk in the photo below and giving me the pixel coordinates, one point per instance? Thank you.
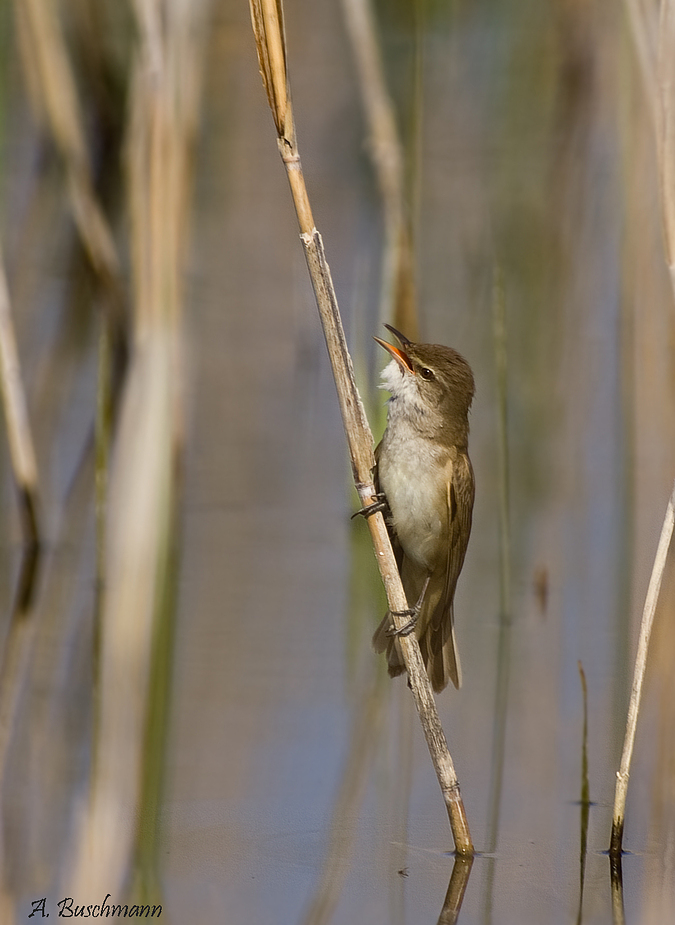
(397, 298)
(18, 643)
(659, 78)
(143, 472)
(623, 774)
(268, 28)
(21, 451)
(52, 86)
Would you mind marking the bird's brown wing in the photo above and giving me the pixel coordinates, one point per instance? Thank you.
(443, 658)
(461, 490)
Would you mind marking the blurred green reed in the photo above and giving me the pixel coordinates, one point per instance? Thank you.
(135, 416)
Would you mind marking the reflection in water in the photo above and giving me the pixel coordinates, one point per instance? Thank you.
(405, 718)
(338, 858)
(616, 884)
(456, 890)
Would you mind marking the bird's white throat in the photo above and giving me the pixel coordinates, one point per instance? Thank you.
(406, 403)
(395, 380)
(405, 394)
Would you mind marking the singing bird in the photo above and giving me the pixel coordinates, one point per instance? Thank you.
(424, 472)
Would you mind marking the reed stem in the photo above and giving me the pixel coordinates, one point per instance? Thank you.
(623, 774)
(267, 19)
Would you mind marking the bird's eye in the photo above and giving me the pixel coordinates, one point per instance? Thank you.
(426, 373)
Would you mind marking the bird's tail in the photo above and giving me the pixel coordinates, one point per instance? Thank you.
(441, 658)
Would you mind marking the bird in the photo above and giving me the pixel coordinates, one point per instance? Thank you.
(424, 480)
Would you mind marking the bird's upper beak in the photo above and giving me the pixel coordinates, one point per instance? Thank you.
(400, 356)
(401, 338)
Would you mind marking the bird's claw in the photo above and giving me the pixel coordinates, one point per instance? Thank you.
(412, 612)
(380, 504)
(408, 626)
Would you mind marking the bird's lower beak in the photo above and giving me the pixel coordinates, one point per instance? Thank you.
(400, 356)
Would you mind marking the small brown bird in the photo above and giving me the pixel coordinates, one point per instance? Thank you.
(424, 471)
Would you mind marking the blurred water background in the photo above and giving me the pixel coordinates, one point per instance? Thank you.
(289, 781)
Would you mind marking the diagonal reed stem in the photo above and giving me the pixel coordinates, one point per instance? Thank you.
(21, 451)
(623, 774)
(659, 80)
(53, 84)
(268, 28)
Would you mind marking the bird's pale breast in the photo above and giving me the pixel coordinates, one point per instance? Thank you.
(409, 471)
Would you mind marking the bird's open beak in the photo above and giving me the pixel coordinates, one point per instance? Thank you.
(401, 338)
(400, 356)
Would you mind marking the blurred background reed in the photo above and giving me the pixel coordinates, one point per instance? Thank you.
(190, 711)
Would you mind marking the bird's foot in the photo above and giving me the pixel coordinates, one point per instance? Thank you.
(370, 509)
(413, 613)
(408, 626)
